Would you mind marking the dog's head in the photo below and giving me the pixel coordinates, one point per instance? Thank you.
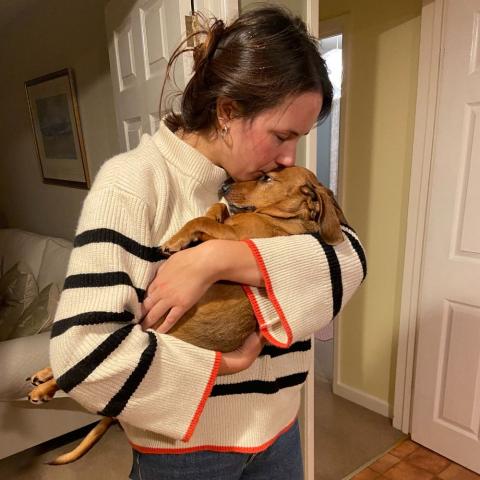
(290, 193)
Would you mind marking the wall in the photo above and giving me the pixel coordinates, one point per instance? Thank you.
(50, 36)
(295, 6)
(377, 129)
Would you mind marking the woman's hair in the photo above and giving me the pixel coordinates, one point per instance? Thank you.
(263, 57)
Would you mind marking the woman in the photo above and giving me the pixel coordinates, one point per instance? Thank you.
(259, 84)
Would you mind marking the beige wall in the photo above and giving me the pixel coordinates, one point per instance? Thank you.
(298, 7)
(377, 134)
(50, 36)
(375, 174)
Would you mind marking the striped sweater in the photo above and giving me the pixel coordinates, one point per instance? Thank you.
(165, 392)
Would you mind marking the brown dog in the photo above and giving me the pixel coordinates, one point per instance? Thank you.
(286, 201)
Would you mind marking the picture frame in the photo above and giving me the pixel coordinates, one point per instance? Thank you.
(53, 108)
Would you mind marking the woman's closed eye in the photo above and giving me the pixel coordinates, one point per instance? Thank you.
(281, 138)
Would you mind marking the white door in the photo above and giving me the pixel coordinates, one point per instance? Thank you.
(142, 35)
(446, 399)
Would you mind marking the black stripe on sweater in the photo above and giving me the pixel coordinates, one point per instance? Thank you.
(106, 235)
(107, 279)
(116, 405)
(259, 386)
(359, 250)
(335, 274)
(90, 318)
(345, 225)
(78, 373)
(273, 352)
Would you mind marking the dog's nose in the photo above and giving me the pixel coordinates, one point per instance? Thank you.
(225, 187)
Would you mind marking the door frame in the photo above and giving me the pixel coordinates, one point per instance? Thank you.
(312, 19)
(422, 161)
(325, 28)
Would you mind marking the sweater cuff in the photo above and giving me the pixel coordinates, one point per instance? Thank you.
(206, 394)
(270, 316)
(307, 283)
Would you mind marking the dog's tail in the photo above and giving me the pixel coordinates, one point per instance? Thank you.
(86, 444)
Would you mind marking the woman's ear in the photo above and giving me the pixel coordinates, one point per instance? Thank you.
(227, 109)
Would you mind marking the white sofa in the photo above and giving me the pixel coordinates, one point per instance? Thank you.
(22, 424)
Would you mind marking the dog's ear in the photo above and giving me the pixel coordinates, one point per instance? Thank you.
(325, 210)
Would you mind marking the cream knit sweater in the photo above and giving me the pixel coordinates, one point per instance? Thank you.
(166, 392)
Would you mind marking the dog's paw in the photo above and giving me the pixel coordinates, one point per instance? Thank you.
(175, 244)
(43, 393)
(164, 252)
(218, 212)
(37, 397)
(40, 377)
(34, 380)
(167, 251)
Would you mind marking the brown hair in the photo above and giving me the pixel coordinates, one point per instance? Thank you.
(259, 60)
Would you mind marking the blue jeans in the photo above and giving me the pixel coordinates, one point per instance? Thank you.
(281, 461)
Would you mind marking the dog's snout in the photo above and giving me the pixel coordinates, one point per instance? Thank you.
(226, 187)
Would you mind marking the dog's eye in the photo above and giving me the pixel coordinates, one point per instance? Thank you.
(265, 178)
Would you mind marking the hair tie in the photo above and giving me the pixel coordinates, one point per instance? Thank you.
(204, 51)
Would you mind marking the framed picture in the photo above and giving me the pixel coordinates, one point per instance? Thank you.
(53, 107)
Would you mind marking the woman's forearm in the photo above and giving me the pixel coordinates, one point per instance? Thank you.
(233, 261)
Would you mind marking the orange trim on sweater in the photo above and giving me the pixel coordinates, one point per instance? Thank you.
(213, 448)
(258, 314)
(206, 394)
(276, 304)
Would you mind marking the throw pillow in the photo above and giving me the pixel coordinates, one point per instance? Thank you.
(18, 289)
(38, 316)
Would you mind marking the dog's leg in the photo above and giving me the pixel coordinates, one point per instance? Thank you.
(43, 392)
(218, 212)
(41, 377)
(199, 229)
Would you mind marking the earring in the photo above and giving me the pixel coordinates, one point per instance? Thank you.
(224, 130)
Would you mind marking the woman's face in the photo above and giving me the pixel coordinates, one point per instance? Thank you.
(270, 139)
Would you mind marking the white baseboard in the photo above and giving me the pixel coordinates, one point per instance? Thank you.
(363, 399)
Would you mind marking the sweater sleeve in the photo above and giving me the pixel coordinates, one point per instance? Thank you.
(307, 283)
(99, 354)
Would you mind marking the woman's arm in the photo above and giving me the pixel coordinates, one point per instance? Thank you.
(186, 276)
(182, 280)
(306, 281)
(237, 262)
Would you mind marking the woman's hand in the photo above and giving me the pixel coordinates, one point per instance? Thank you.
(179, 284)
(181, 280)
(243, 357)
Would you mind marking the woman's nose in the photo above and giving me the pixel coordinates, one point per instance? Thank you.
(287, 160)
